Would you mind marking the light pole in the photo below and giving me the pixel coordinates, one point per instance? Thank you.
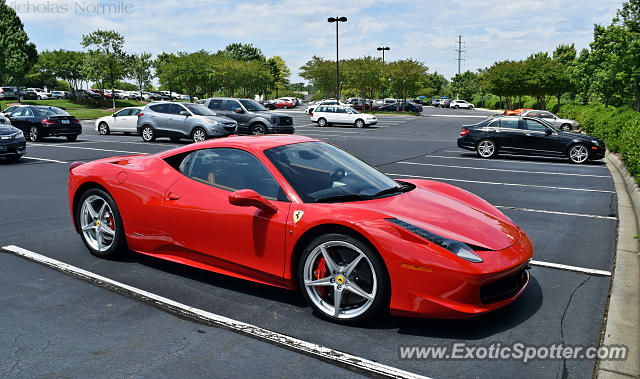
(383, 49)
(337, 20)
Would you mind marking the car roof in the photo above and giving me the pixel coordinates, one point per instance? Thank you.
(254, 144)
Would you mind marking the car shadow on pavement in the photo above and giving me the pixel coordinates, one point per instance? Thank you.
(525, 158)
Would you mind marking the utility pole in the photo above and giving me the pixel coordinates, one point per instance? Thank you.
(337, 20)
(460, 51)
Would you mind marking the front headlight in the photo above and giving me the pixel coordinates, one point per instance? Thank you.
(595, 142)
(212, 122)
(272, 119)
(458, 248)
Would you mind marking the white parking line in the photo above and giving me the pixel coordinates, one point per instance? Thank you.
(455, 115)
(559, 266)
(501, 169)
(44, 160)
(510, 160)
(90, 148)
(554, 212)
(501, 184)
(129, 142)
(339, 358)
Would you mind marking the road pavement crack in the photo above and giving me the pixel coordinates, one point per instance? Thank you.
(565, 372)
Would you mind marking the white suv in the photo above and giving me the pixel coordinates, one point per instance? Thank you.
(455, 104)
(40, 92)
(337, 114)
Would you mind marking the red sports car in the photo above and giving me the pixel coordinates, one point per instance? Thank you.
(294, 212)
(283, 104)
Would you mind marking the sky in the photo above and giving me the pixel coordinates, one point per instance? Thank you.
(296, 30)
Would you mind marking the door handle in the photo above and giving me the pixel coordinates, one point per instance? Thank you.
(173, 196)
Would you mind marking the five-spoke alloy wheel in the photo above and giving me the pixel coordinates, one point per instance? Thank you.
(578, 153)
(486, 148)
(100, 224)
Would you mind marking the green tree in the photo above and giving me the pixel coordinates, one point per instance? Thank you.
(66, 65)
(465, 84)
(628, 17)
(17, 54)
(606, 61)
(107, 56)
(279, 73)
(141, 70)
(404, 77)
(363, 76)
(245, 52)
(322, 75)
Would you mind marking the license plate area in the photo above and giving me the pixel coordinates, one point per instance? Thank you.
(65, 122)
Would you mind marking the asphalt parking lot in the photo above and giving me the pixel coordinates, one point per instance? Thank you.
(56, 325)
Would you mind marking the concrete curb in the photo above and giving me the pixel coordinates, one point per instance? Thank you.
(623, 313)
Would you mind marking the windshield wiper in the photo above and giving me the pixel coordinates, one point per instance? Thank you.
(344, 197)
(388, 191)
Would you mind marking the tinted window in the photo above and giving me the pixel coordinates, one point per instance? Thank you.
(124, 112)
(321, 109)
(176, 109)
(27, 112)
(534, 125)
(160, 108)
(509, 123)
(231, 105)
(215, 104)
(134, 112)
(252, 105)
(340, 110)
(199, 110)
(546, 115)
(231, 170)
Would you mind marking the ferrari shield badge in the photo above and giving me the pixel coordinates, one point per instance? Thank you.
(297, 216)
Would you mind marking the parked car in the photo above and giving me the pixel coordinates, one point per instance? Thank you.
(563, 124)
(124, 120)
(12, 142)
(38, 121)
(444, 103)
(455, 104)
(283, 104)
(101, 93)
(269, 104)
(325, 115)
(407, 107)
(90, 94)
(311, 107)
(182, 120)
(528, 135)
(252, 117)
(513, 112)
(41, 94)
(292, 100)
(7, 112)
(435, 103)
(8, 93)
(60, 95)
(155, 96)
(29, 95)
(133, 95)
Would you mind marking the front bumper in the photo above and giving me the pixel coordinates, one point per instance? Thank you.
(15, 147)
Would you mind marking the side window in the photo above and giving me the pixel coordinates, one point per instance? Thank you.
(321, 109)
(231, 105)
(494, 124)
(215, 104)
(124, 112)
(546, 115)
(509, 123)
(535, 126)
(340, 110)
(176, 109)
(160, 108)
(134, 112)
(27, 112)
(17, 112)
(231, 170)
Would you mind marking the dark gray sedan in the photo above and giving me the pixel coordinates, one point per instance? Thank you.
(12, 141)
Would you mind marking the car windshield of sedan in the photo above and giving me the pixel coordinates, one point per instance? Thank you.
(50, 111)
(320, 172)
(252, 105)
(199, 110)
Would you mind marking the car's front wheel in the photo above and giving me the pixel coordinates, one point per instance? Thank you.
(359, 124)
(103, 128)
(100, 224)
(258, 130)
(343, 279)
(578, 153)
(34, 134)
(486, 148)
(565, 127)
(148, 135)
(198, 135)
(470, 107)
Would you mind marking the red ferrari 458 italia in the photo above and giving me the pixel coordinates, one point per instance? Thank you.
(298, 213)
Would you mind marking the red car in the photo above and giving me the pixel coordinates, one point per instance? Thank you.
(294, 212)
(107, 93)
(283, 104)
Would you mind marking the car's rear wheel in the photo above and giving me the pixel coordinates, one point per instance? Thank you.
(578, 153)
(103, 128)
(343, 279)
(72, 138)
(470, 107)
(148, 134)
(565, 127)
(34, 134)
(486, 148)
(322, 122)
(258, 130)
(198, 135)
(100, 224)
(359, 123)
(455, 107)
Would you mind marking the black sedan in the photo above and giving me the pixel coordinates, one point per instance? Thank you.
(12, 142)
(408, 107)
(37, 121)
(528, 136)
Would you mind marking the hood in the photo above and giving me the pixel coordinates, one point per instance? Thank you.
(269, 113)
(220, 119)
(6, 129)
(581, 136)
(448, 218)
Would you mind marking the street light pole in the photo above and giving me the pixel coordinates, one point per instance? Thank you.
(383, 49)
(337, 20)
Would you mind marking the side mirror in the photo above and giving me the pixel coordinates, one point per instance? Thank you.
(548, 132)
(114, 115)
(250, 198)
(184, 113)
(238, 110)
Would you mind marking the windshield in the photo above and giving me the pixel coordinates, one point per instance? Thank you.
(252, 105)
(199, 110)
(353, 111)
(51, 111)
(548, 124)
(320, 172)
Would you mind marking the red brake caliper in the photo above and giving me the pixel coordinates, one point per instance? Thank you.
(110, 222)
(319, 273)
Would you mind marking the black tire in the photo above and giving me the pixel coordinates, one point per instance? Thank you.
(119, 245)
(486, 148)
(258, 130)
(34, 134)
(578, 153)
(72, 138)
(147, 133)
(322, 122)
(380, 303)
(359, 123)
(103, 128)
(39, 97)
(470, 107)
(455, 107)
(198, 134)
(565, 127)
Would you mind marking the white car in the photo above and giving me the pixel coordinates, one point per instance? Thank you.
(313, 106)
(125, 120)
(455, 104)
(338, 114)
(40, 92)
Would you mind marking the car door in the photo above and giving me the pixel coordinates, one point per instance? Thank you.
(177, 122)
(18, 120)
(160, 117)
(507, 134)
(206, 226)
(119, 122)
(538, 141)
(229, 110)
(131, 120)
